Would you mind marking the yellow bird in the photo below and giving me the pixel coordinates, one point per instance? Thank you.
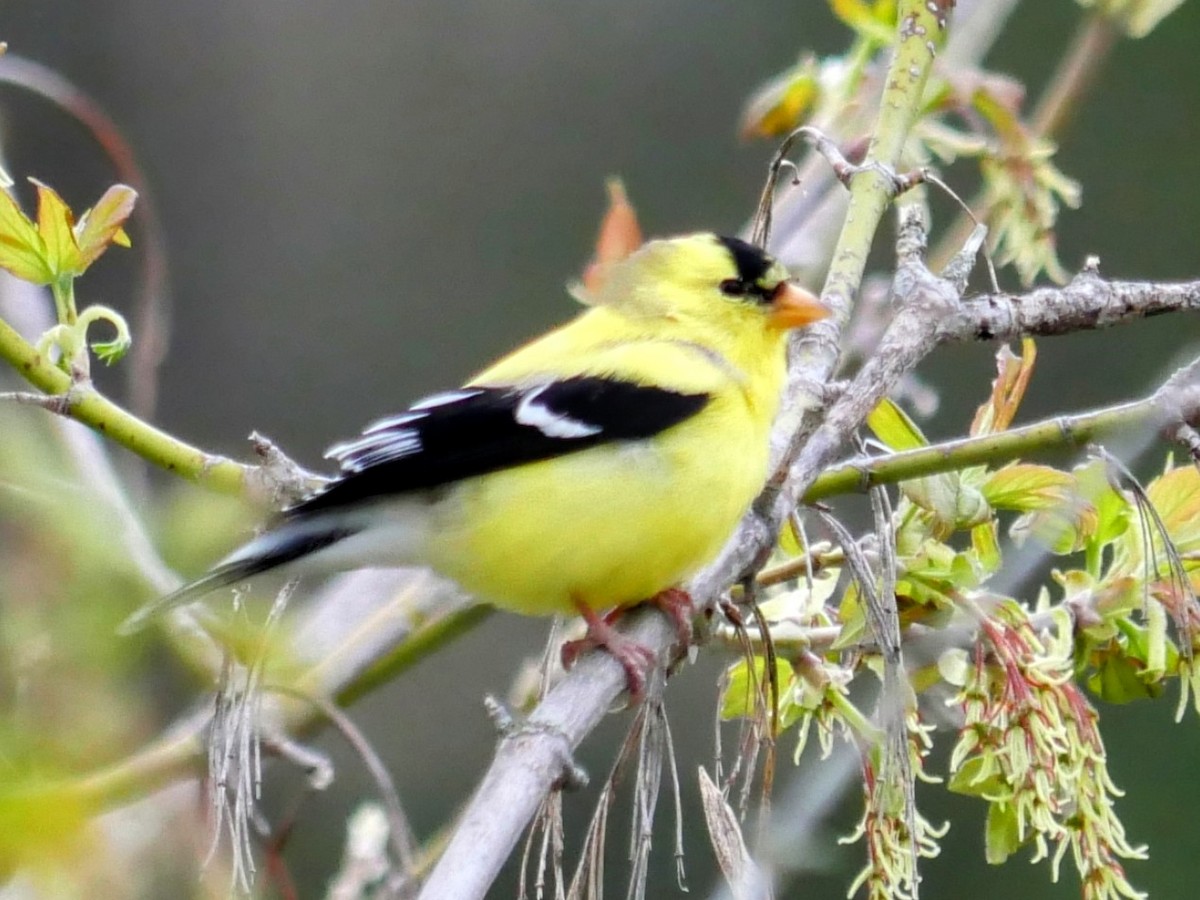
(588, 470)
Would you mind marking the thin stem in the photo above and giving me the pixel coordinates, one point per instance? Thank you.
(859, 475)
(82, 402)
(63, 292)
(871, 190)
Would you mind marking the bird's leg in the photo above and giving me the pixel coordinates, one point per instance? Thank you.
(636, 659)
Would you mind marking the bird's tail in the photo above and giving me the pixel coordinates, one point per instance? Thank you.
(276, 548)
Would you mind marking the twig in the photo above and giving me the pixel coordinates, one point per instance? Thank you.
(177, 753)
(1175, 405)
(81, 401)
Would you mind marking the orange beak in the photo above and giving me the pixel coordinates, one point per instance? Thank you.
(792, 306)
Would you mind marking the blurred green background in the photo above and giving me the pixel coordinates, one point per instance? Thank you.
(364, 202)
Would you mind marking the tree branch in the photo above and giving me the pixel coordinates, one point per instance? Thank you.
(1087, 302)
(79, 400)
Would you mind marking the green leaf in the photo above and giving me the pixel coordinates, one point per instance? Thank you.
(954, 665)
(936, 575)
(56, 225)
(1112, 507)
(950, 497)
(783, 103)
(1146, 14)
(952, 502)
(853, 618)
(22, 250)
(1062, 529)
(1003, 834)
(874, 21)
(893, 426)
(1137, 18)
(740, 700)
(1025, 487)
(1176, 496)
(985, 541)
(1117, 596)
(1116, 679)
(979, 776)
(112, 350)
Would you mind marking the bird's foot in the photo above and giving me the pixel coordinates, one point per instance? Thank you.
(677, 604)
(636, 659)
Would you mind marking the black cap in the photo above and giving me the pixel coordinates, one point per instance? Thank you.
(752, 262)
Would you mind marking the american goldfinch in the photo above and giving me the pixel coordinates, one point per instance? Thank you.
(589, 470)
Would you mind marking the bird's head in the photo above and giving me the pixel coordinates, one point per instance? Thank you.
(709, 280)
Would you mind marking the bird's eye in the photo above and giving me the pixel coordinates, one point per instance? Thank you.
(732, 287)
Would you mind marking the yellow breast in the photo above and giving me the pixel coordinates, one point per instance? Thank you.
(618, 527)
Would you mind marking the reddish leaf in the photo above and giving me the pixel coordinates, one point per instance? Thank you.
(1008, 389)
(619, 236)
(102, 224)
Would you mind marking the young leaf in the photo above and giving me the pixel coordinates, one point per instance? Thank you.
(1112, 507)
(874, 21)
(1176, 496)
(22, 250)
(985, 541)
(1146, 14)
(979, 776)
(892, 425)
(1064, 528)
(1003, 834)
(1136, 17)
(103, 223)
(1008, 389)
(1117, 679)
(950, 499)
(783, 103)
(112, 350)
(620, 234)
(1025, 487)
(56, 225)
(739, 700)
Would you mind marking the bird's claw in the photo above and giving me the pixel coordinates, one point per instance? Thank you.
(635, 658)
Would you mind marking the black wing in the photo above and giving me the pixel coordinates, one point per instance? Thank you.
(460, 434)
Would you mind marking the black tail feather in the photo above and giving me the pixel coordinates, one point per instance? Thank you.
(288, 544)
